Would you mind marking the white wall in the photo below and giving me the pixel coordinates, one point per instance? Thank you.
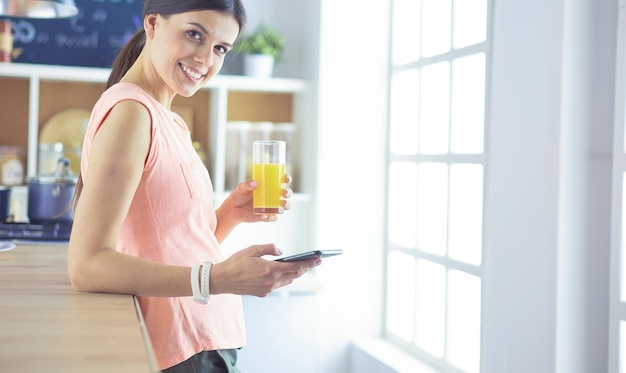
(521, 235)
(291, 18)
(340, 47)
(342, 51)
(350, 198)
(585, 191)
(548, 183)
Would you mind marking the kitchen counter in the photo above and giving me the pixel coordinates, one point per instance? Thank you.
(46, 326)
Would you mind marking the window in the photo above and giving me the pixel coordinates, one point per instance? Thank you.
(436, 166)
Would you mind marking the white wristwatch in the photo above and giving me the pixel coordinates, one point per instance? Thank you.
(195, 285)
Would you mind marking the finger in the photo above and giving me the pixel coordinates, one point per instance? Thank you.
(244, 189)
(260, 250)
(286, 204)
(250, 184)
(287, 192)
(288, 179)
(269, 218)
(297, 269)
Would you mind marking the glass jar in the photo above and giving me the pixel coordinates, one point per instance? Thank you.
(6, 41)
(237, 152)
(11, 165)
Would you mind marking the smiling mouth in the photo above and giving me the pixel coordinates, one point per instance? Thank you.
(191, 73)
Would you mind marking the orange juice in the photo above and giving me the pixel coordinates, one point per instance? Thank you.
(268, 196)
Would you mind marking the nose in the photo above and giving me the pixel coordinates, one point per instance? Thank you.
(205, 56)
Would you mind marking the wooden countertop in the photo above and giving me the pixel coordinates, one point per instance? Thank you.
(46, 326)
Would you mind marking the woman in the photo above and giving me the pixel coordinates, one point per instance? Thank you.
(143, 220)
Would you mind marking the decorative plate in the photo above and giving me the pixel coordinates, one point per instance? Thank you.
(66, 126)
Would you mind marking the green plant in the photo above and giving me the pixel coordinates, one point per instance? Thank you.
(263, 40)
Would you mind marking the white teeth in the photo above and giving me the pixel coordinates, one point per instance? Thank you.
(191, 73)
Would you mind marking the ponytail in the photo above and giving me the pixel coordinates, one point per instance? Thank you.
(127, 57)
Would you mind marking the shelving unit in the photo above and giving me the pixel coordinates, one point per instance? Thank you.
(32, 93)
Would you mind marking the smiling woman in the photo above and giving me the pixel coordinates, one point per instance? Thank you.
(144, 221)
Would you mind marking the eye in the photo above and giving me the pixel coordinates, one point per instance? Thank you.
(194, 35)
(222, 49)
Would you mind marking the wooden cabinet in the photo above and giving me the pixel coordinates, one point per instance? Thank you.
(31, 94)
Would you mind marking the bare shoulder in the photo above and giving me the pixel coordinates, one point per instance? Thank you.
(128, 112)
(128, 121)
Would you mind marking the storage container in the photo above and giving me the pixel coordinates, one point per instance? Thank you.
(287, 132)
(11, 165)
(237, 152)
(50, 153)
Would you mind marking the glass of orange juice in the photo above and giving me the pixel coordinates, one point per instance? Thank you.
(268, 169)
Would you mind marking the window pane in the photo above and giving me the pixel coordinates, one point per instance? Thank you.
(463, 342)
(432, 203)
(466, 213)
(430, 307)
(405, 42)
(433, 137)
(400, 293)
(404, 117)
(468, 104)
(436, 29)
(470, 22)
(402, 215)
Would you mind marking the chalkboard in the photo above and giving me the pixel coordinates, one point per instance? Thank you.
(92, 38)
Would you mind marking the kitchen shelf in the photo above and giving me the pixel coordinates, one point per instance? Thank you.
(100, 75)
(53, 72)
(51, 88)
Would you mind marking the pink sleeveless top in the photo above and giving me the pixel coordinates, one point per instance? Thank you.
(172, 220)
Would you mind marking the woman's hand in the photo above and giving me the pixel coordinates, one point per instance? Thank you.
(239, 202)
(237, 208)
(246, 273)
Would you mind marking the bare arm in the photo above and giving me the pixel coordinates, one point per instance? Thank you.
(115, 168)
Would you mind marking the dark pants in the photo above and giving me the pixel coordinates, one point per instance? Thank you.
(218, 361)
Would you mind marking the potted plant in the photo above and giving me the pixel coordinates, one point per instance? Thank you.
(261, 49)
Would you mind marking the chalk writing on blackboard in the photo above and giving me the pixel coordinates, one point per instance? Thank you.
(92, 38)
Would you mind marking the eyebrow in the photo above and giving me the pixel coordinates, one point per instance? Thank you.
(207, 31)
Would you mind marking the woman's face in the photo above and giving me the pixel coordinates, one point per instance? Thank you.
(187, 49)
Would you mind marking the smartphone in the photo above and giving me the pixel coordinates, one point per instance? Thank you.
(310, 255)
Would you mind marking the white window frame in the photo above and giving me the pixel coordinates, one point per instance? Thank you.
(449, 159)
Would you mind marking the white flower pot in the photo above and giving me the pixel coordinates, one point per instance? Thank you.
(258, 65)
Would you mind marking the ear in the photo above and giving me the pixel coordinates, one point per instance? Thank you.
(149, 24)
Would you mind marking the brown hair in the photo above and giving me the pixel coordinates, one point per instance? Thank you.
(129, 54)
